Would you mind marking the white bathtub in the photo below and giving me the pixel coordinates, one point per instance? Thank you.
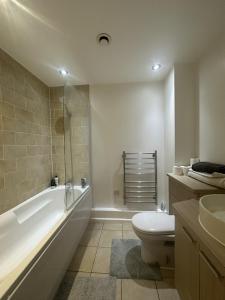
(24, 227)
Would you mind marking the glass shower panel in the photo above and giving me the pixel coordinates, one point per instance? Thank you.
(69, 190)
(77, 146)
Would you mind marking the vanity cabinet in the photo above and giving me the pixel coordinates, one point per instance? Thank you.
(199, 259)
(212, 285)
(186, 264)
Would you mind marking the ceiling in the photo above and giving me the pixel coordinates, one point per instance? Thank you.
(47, 35)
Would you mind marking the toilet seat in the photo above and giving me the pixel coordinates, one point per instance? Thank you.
(154, 223)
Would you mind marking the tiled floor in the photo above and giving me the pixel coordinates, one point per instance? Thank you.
(93, 259)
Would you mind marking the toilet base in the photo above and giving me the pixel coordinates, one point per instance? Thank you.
(161, 252)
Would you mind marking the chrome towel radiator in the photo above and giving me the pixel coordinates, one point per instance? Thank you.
(140, 177)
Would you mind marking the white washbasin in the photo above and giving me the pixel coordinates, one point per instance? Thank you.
(212, 216)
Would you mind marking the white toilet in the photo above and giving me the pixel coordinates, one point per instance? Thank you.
(156, 231)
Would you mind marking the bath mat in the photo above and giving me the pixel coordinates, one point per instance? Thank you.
(93, 289)
(126, 261)
(87, 288)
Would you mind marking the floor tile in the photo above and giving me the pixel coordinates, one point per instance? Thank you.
(102, 261)
(91, 238)
(82, 274)
(95, 225)
(127, 226)
(166, 290)
(139, 289)
(129, 234)
(112, 226)
(100, 275)
(107, 236)
(84, 259)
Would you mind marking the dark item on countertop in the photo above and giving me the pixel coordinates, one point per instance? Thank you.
(207, 167)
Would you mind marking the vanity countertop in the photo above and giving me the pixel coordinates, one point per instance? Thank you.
(195, 185)
(188, 212)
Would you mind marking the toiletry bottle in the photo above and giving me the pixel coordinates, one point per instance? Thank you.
(83, 182)
(56, 180)
(53, 184)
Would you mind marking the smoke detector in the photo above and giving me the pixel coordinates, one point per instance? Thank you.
(104, 39)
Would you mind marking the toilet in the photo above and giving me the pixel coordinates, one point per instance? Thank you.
(157, 232)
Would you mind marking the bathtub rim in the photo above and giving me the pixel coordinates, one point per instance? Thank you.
(14, 278)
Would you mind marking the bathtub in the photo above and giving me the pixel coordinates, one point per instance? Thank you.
(37, 241)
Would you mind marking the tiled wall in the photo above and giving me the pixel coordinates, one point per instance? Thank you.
(25, 136)
(79, 108)
(76, 132)
(57, 125)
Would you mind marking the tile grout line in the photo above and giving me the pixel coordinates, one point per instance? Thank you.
(96, 250)
(157, 290)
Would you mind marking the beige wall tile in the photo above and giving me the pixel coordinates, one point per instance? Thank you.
(1, 152)
(24, 123)
(7, 166)
(13, 152)
(7, 138)
(1, 182)
(7, 110)
(31, 130)
(1, 122)
(8, 124)
(24, 115)
(25, 138)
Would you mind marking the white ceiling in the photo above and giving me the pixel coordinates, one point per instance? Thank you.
(46, 35)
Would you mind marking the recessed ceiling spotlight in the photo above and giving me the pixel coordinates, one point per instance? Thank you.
(104, 39)
(63, 72)
(156, 67)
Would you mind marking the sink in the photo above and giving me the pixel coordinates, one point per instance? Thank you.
(212, 216)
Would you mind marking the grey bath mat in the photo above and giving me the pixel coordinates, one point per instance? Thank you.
(86, 288)
(93, 289)
(126, 261)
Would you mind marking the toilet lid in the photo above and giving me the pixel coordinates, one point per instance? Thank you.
(154, 222)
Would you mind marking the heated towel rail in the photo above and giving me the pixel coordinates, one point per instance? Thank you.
(140, 177)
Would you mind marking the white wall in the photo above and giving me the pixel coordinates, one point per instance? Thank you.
(186, 110)
(212, 105)
(126, 117)
(169, 129)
